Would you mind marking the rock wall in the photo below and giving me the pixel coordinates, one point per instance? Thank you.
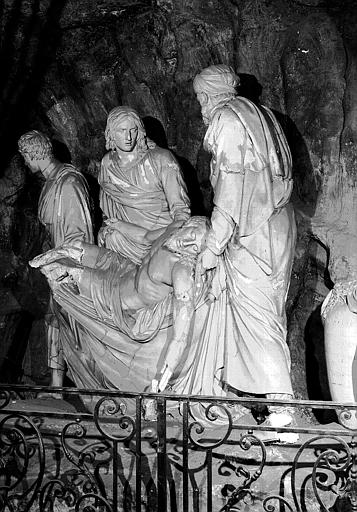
(67, 63)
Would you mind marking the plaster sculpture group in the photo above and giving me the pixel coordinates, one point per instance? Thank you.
(195, 304)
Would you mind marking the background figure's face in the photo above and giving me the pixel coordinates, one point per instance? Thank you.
(32, 164)
(125, 135)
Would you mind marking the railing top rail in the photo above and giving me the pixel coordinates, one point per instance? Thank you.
(320, 404)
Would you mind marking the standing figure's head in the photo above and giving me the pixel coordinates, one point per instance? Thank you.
(214, 85)
(189, 238)
(36, 148)
(125, 130)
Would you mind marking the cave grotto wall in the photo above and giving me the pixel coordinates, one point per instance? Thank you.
(65, 64)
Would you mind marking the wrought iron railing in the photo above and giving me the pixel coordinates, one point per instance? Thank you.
(158, 452)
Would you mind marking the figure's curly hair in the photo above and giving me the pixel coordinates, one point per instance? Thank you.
(115, 118)
(36, 145)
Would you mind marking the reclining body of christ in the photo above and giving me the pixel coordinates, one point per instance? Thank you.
(134, 321)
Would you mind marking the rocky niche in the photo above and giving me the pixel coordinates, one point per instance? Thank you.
(65, 64)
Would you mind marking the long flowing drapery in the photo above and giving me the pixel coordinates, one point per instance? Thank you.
(148, 192)
(237, 341)
(118, 349)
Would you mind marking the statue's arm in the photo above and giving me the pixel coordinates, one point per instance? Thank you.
(74, 206)
(222, 227)
(231, 149)
(183, 310)
(174, 188)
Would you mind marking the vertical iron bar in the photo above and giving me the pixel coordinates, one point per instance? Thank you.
(185, 455)
(352, 495)
(138, 454)
(161, 454)
(196, 498)
(115, 476)
(209, 481)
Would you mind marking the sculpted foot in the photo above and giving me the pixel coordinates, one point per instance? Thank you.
(57, 377)
(282, 419)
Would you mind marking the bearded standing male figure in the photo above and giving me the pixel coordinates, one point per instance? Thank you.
(253, 228)
(63, 209)
(140, 187)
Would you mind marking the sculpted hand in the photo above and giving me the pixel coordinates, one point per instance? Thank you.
(352, 301)
(112, 223)
(127, 229)
(158, 236)
(101, 237)
(207, 260)
(165, 377)
(105, 230)
(53, 271)
(61, 272)
(155, 238)
(74, 252)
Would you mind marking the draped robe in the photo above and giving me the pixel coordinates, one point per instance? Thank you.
(63, 209)
(118, 348)
(242, 343)
(149, 192)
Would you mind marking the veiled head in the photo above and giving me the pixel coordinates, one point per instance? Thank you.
(214, 85)
(125, 130)
(216, 80)
(189, 239)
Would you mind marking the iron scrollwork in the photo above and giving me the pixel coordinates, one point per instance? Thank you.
(21, 444)
(209, 459)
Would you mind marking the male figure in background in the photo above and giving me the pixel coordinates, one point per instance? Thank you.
(253, 226)
(64, 211)
(140, 187)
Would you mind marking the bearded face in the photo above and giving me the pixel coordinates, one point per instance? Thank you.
(204, 102)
